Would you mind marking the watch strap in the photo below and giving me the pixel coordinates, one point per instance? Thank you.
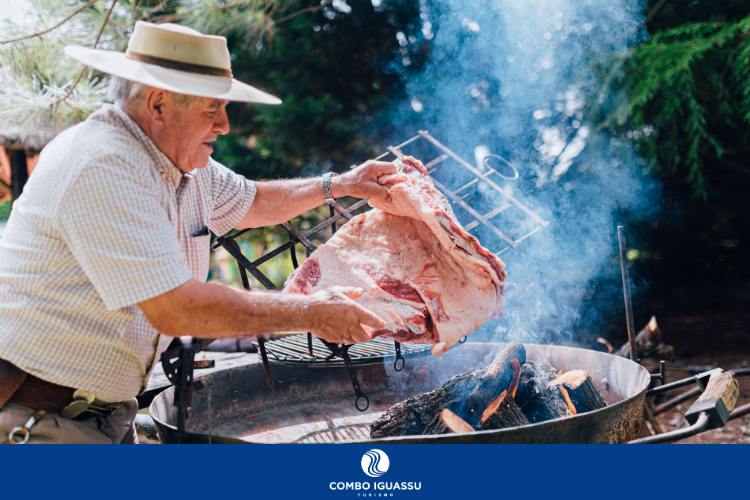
(327, 185)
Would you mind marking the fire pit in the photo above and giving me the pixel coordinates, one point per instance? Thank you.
(314, 403)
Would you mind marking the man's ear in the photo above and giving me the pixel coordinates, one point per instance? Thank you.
(156, 102)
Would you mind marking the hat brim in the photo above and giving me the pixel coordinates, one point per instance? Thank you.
(182, 82)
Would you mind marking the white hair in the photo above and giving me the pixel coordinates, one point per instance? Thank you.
(124, 91)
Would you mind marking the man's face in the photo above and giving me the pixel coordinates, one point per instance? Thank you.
(193, 129)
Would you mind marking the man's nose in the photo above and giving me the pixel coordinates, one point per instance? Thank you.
(221, 124)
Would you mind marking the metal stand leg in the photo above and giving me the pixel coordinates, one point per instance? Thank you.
(266, 364)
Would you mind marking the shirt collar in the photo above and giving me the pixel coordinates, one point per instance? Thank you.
(169, 172)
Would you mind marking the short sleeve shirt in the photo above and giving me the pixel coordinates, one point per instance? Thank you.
(106, 221)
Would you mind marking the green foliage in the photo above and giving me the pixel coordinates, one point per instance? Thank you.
(689, 103)
(5, 210)
(251, 21)
(333, 70)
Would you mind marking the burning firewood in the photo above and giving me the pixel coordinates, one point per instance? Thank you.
(569, 394)
(498, 376)
(546, 405)
(415, 415)
(534, 379)
(501, 413)
(581, 389)
(448, 422)
(648, 344)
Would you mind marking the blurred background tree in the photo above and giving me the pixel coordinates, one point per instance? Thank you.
(687, 108)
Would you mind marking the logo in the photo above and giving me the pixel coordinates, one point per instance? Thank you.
(375, 463)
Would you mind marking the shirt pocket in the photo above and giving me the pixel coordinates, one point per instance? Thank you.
(198, 255)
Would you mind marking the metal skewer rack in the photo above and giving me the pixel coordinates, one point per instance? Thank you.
(472, 187)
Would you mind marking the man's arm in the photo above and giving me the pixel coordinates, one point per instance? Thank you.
(279, 201)
(212, 310)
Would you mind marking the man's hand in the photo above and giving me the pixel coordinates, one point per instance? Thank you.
(362, 182)
(335, 317)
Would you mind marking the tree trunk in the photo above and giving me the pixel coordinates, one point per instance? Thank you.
(501, 413)
(18, 171)
(583, 392)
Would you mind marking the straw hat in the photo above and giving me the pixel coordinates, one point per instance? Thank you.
(174, 58)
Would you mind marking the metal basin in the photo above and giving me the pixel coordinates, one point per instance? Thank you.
(316, 403)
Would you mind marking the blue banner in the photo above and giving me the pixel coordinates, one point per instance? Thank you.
(353, 472)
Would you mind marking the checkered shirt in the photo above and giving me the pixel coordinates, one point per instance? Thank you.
(106, 221)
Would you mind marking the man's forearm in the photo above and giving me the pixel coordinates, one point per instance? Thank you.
(212, 310)
(280, 201)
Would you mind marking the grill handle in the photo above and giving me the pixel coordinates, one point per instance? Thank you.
(710, 411)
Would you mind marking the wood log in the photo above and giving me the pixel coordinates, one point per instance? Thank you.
(664, 351)
(583, 392)
(534, 379)
(717, 401)
(546, 405)
(414, 416)
(648, 344)
(501, 413)
(498, 377)
(448, 422)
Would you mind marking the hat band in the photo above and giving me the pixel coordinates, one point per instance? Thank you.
(178, 65)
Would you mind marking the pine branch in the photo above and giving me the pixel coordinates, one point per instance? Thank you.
(71, 16)
(302, 11)
(644, 22)
(257, 26)
(688, 83)
(96, 42)
(150, 12)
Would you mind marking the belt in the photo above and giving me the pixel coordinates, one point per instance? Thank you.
(19, 387)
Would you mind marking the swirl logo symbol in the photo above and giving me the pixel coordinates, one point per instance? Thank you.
(375, 463)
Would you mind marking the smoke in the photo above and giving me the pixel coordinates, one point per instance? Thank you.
(531, 82)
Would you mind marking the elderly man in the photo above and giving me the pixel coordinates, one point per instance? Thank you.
(105, 256)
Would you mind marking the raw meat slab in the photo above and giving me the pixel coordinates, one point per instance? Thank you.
(422, 273)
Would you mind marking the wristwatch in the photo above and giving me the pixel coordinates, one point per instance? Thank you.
(327, 185)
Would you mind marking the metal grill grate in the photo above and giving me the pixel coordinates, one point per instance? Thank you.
(295, 349)
(465, 192)
(338, 434)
